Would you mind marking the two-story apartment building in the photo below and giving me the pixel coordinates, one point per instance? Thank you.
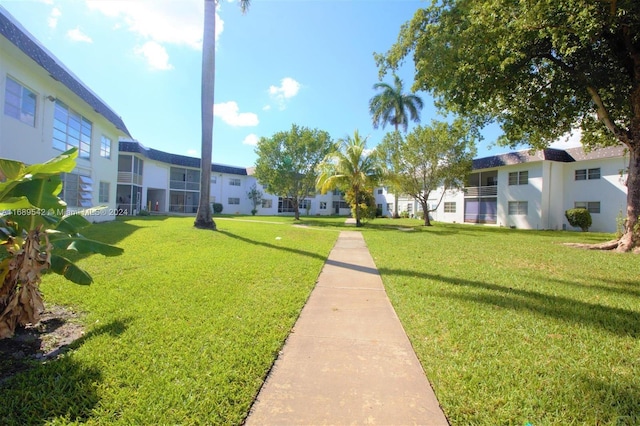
(532, 190)
(162, 182)
(47, 110)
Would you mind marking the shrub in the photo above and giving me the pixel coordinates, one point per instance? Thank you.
(217, 208)
(579, 218)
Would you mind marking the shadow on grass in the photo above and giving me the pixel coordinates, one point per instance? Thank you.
(621, 322)
(272, 246)
(616, 400)
(57, 389)
(622, 287)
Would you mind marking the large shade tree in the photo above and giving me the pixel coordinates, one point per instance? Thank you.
(391, 105)
(204, 218)
(287, 163)
(353, 169)
(541, 69)
(432, 157)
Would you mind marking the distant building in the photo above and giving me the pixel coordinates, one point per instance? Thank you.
(533, 190)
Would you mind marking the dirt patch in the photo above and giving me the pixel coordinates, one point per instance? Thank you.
(57, 329)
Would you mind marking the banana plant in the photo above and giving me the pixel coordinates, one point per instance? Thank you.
(33, 222)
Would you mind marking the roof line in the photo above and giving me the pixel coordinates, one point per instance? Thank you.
(13, 31)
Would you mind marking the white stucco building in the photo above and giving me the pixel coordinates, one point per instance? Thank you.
(533, 190)
(46, 110)
(162, 182)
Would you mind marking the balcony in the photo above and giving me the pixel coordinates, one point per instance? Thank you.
(481, 191)
(130, 178)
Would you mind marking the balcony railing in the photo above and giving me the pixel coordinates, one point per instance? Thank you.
(481, 191)
(128, 177)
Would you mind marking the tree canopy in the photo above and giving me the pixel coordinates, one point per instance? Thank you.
(287, 162)
(352, 169)
(431, 157)
(541, 69)
(392, 106)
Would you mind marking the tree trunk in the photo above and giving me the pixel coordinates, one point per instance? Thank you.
(20, 299)
(395, 205)
(204, 217)
(425, 210)
(357, 197)
(296, 208)
(631, 238)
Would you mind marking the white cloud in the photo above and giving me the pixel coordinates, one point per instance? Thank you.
(162, 21)
(77, 35)
(266, 107)
(229, 113)
(193, 152)
(251, 139)
(52, 20)
(155, 55)
(288, 89)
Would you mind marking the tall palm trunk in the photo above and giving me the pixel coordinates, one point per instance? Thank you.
(204, 217)
(395, 194)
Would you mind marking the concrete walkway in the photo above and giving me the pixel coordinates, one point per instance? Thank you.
(348, 360)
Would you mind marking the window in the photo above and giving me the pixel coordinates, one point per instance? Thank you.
(267, 204)
(449, 207)
(379, 191)
(285, 205)
(592, 206)
(77, 190)
(519, 208)
(593, 173)
(234, 182)
(234, 201)
(188, 179)
(103, 193)
(213, 180)
(71, 130)
(323, 205)
(105, 147)
(584, 174)
(519, 178)
(409, 208)
(20, 102)
(304, 204)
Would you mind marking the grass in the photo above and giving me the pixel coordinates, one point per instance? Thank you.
(182, 329)
(512, 327)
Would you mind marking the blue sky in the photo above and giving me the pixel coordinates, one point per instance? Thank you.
(308, 62)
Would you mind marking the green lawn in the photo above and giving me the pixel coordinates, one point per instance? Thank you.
(182, 328)
(511, 326)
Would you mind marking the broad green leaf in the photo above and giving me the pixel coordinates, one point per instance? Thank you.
(84, 245)
(42, 193)
(67, 269)
(63, 163)
(11, 169)
(72, 224)
(15, 203)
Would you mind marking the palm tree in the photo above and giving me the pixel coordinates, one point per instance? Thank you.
(392, 106)
(204, 217)
(352, 169)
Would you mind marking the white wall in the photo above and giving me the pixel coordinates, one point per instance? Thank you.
(33, 144)
(609, 190)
